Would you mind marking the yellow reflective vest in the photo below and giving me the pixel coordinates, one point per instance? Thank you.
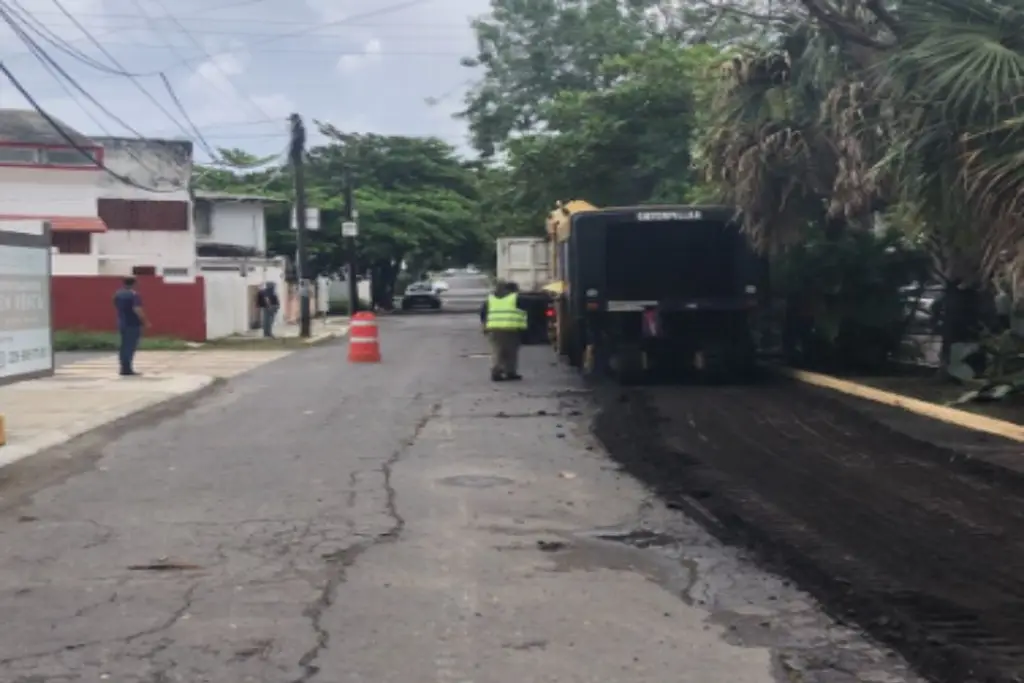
(503, 313)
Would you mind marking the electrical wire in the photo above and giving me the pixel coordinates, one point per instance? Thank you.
(70, 140)
(298, 33)
(190, 132)
(309, 51)
(243, 20)
(33, 24)
(53, 66)
(210, 58)
(398, 7)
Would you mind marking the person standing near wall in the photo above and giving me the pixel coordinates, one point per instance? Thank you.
(269, 304)
(130, 320)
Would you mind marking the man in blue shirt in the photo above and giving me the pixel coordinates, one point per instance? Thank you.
(130, 320)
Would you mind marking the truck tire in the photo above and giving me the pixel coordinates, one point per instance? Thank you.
(574, 350)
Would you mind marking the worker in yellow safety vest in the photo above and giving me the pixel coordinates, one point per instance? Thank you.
(504, 322)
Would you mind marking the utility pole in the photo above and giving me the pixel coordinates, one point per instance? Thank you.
(351, 228)
(297, 153)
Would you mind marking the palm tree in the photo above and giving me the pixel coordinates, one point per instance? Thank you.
(863, 104)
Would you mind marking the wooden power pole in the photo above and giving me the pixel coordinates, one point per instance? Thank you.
(298, 153)
(350, 227)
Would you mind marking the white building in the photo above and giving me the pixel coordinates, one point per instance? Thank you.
(231, 238)
(233, 221)
(45, 175)
(148, 219)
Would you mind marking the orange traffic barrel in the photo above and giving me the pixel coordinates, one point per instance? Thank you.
(363, 344)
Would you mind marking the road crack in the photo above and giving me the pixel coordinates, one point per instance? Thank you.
(341, 560)
(174, 618)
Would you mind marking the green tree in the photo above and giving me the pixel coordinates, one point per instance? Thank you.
(873, 105)
(533, 51)
(628, 143)
(418, 203)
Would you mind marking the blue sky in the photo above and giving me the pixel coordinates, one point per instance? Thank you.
(239, 67)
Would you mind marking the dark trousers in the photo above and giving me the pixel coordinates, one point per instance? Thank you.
(505, 351)
(269, 313)
(130, 336)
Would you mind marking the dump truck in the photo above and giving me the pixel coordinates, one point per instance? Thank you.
(525, 261)
(648, 291)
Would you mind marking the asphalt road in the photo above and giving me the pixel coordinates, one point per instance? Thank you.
(887, 520)
(408, 522)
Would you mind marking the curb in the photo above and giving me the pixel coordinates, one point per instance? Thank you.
(327, 336)
(953, 416)
(13, 454)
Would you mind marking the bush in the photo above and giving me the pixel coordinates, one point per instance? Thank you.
(83, 340)
(845, 307)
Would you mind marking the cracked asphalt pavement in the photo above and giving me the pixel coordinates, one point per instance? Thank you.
(409, 522)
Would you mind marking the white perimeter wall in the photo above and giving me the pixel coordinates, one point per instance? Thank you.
(338, 290)
(230, 297)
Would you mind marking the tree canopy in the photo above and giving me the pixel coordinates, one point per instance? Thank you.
(819, 120)
(417, 202)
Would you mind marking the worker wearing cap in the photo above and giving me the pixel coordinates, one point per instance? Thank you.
(504, 322)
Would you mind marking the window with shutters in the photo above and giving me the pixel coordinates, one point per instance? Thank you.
(116, 213)
(72, 242)
(204, 219)
(125, 214)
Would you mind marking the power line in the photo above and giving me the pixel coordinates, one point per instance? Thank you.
(337, 22)
(192, 131)
(263, 22)
(298, 33)
(417, 32)
(70, 140)
(138, 86)
(56, 71)
(210, 59)
(53, 67)
(230, 5)
(31, 23)
(312, 51)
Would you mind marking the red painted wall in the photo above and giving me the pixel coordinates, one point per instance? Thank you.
(84, 302)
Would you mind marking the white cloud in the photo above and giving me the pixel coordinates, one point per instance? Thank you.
(371, 54)
(328, 10)
(214, 87)
(269, 59)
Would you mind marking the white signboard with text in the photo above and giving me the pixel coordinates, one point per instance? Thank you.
(312, 219)
(25, 334)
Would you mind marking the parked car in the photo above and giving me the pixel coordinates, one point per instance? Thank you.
(421, 295)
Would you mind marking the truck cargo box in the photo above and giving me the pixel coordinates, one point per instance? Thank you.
(627, 259)
(524, 261)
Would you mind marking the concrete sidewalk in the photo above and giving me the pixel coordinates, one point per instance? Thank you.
(85, 395)
(43, 413)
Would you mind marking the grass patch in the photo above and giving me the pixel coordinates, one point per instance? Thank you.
(255, 344)
(80, 340)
